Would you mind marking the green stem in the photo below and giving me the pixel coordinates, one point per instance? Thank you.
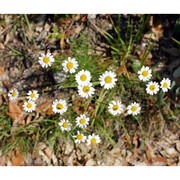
(160, 103)
(98, 102)
(140, 125)
(125, 131)
(100, 99)
(142, 131)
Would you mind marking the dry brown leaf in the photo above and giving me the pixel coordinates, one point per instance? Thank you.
(2, 46)
(156, 29)
(77, 110)
(29, 119)
(69, 148)
(16, 111)
(173, 164)
(1, 70)
(77, 106)
(50, 111)
(104, 62)
(171, 152)
(90, 162)
(121, 70)
(48, 152)
(159, 159)
(62, 41)
(135, 142)
(18, 159)
(83, 18)
(178, 146)
(2, 161)
(129, 156)
(148, 60)
(149, 155)
(141, 164)
(44, 157)
(38, 162)
(6, 82)
(1, 100)
(45, 107)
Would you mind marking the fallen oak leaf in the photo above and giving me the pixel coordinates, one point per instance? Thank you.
(46, 108)
(18, 159)
(123, 70)
(159, 159)
(16, 111)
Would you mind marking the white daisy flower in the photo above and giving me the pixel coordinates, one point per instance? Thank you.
(145, 73)
(13, 94)
(65, 125)
(115, 108)
(93, 139)
(29, 106)
(165, 84)
(108, 79)
(33, 95)
(152, 87)
(134, 108)
(86, 90)
(83, 77)
(82, 121)
(70, 65)
(46, 60)
(79, 137)
(59, 106)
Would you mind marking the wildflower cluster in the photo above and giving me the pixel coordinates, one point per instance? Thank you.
(85, 90)
(152, 87)
(82, 121)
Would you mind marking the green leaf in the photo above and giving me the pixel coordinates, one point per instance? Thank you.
(55, 29)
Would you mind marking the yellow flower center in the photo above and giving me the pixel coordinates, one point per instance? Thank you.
(115, 107)
(33, 95)
(152, 87)
(133, 108)
(165, 85)
(86, 89)
(80, 137)
(14, 94)
(83, 77)
(145, 73)
(65, 125)
(70, 65)
(29, 106)
(46, 60)
(93, 141)
(82, 121)
(108, 79)
(59, 106)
